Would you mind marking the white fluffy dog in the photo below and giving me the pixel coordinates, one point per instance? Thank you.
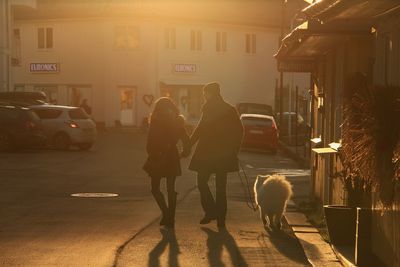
(272, 193)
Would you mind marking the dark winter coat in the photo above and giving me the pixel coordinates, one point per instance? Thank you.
(163, 156)
(219, 135)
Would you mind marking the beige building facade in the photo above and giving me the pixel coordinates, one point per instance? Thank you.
(122, 64)
(6, 27)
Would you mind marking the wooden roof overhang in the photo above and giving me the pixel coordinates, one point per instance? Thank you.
(301, 48)
(354, 10)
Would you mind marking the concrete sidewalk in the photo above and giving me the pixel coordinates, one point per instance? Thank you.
(298, 155)
(318, 252)
(244, 243)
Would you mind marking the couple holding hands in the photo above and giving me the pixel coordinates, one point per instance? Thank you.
(218, 134)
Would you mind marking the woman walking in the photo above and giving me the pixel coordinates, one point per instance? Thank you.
(165, 130)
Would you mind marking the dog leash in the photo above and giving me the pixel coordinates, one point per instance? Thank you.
(249, 201)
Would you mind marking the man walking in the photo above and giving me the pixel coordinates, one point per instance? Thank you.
(219, 135)
(85, 106)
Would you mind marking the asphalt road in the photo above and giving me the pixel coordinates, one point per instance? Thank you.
(41, 224)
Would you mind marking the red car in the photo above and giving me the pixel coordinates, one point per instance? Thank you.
(260, 132)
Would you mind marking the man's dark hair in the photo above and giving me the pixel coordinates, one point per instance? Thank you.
(212, 89)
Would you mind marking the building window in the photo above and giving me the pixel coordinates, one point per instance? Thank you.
(221, 42)
(16, 48)
(251, 43)
(195, 40)
(170, 38)
(126, 37)
(45, 38)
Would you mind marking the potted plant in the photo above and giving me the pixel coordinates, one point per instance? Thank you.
(370, 155)
(357, 162)
(341, 219)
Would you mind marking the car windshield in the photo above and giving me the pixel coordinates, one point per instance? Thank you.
(257, 122)
(77, 114)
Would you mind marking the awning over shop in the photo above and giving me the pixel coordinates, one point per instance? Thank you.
(355, 10)
(304, 44)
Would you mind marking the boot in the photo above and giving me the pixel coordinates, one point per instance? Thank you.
(221, 222)
(207, 219)
(171, 209)
(159, 198)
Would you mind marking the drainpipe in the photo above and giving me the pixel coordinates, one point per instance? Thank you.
(4, 45)
(10, 80)
(281, 72)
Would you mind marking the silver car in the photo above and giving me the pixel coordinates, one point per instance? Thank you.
(66, 126)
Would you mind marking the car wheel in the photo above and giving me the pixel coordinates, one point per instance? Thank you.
(61, 141)
(85, 146)
(6, 143)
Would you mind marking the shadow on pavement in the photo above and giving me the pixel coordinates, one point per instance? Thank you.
(286, 244)
(215, 243)
(168, 238)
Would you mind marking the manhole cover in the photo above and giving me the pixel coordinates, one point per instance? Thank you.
(94, 195)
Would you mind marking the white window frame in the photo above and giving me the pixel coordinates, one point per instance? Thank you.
(126, 37)
(251, 43)
(43, 41)
(221, 42)
(16, 47)
(196, 42)
(170, 38)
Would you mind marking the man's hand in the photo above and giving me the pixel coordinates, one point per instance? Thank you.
(185, 153)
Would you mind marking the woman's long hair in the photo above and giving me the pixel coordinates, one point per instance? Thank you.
(164, 111)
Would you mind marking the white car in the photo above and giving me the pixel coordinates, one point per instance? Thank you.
(66, 126)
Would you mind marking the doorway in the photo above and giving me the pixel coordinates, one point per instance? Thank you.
(128, 102)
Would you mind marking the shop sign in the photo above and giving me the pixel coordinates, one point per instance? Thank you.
(44, 67)
(185, 68)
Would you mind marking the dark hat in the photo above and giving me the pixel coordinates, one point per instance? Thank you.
(212, 88)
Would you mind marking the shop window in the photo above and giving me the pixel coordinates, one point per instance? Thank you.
(251, 43)
(221, 42)
(45, 38)
(126, 99)
(19, 88)
(195, 40)
(126, 37)
(16, 48)
(170, 38)
(78, 94)
(50, 91)
(127, 106)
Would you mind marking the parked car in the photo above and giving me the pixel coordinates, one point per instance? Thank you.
(260, 132)
(254, 108)
(67, 126)
(23, 98)
(302, 128)
(19, 127)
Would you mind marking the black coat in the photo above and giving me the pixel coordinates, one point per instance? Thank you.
(163, 156)
(219, 135)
